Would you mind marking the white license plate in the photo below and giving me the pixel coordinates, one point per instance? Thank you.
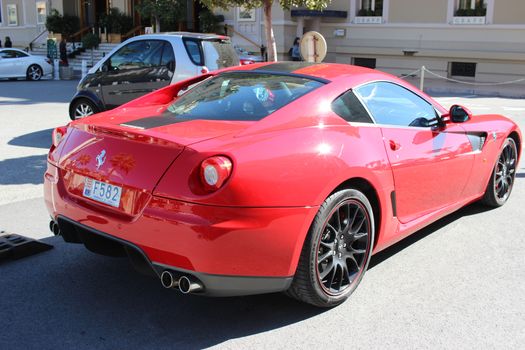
(102, 192)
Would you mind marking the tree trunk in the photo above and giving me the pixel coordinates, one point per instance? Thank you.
(270, 40)
(157, 24)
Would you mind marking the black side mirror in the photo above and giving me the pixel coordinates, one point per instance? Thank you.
(105, 67)
(459, 114)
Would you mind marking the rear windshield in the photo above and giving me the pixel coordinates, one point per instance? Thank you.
(219, 54)
(240, 96)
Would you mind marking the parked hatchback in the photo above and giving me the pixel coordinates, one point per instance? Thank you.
(148, 62)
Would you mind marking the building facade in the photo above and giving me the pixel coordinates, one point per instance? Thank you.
(24, 20)
(477, 40)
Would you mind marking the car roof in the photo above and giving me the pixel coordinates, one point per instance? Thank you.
(318, 71)
(13, 49)
(202, 36)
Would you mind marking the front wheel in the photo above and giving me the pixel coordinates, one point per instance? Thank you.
(502, 180)
(34, 72)
(82, 108)
(337, 250)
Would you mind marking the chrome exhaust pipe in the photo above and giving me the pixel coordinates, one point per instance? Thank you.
(187, 286)
(53, 226)
(56, 229)
(167, 280)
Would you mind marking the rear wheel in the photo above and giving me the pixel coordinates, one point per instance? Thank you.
(502, 179)
(337, 250)
(34, 72)
(82, 108)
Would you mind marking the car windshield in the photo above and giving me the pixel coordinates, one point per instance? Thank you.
(240, 96)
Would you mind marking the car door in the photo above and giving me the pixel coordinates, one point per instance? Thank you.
(430, 164)
(10, 64)
(135, 70)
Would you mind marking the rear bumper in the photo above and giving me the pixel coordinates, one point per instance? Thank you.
(231, 250)
(214, 285)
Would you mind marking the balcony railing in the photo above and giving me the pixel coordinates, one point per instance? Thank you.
(469, 20)
(368, 20)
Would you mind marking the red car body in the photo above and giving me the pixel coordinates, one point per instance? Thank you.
(247, 236)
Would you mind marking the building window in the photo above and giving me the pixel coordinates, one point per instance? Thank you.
(12, 15)
(364, 62)
(41, 12)
(463, 69)
(370, 8)
(471, 8)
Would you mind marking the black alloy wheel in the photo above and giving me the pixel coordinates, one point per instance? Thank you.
(342, 247)
(337, 250)
(502, 179)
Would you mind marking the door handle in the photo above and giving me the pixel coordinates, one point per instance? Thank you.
(394, 146)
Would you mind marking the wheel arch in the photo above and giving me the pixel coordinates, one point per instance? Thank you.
(87, 96)
(371, 194)
(514, 135)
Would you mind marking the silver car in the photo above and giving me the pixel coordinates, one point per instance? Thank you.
(148, 62)
(15, 63)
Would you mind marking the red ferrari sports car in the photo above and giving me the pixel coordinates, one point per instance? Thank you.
(272, 177)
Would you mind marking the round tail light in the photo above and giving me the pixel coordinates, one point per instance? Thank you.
(214, 172)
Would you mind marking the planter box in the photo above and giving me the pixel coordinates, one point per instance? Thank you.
(56, 36)
(468, 20)
(114, 38)
(368, 20)
(66, 73)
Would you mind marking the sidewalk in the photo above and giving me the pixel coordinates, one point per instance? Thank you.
(434, 86)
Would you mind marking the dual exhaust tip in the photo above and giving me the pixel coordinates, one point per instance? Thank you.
(185, 284)
(53, 227)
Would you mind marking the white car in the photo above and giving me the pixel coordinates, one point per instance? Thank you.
(15, 63)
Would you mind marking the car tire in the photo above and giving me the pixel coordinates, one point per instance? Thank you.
(502, 179)
(34, 72)
(336, 251)
(82, 108)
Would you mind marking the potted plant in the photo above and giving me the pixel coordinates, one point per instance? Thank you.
(90, 41)
(54, 25)
(115, 24)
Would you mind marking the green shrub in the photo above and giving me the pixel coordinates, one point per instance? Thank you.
(90, 41)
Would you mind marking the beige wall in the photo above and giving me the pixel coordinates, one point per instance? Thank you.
(339, 5)
(509, 12)
(420, 11)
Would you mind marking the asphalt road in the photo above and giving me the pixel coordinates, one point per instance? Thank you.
(459, 283)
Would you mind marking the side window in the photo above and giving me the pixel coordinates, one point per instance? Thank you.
(348, 107)
(9, 54)
(138, 54)
(394, 105)
(20, 54)
(168, 57)
(194, 51)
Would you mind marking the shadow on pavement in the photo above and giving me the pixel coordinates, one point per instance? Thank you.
(23, 170)
(472, 209)
(30, 92)
(71, 298)
(37, 139)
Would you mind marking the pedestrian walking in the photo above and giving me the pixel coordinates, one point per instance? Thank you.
(7, 42)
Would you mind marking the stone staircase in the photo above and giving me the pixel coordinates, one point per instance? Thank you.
(102, 50)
